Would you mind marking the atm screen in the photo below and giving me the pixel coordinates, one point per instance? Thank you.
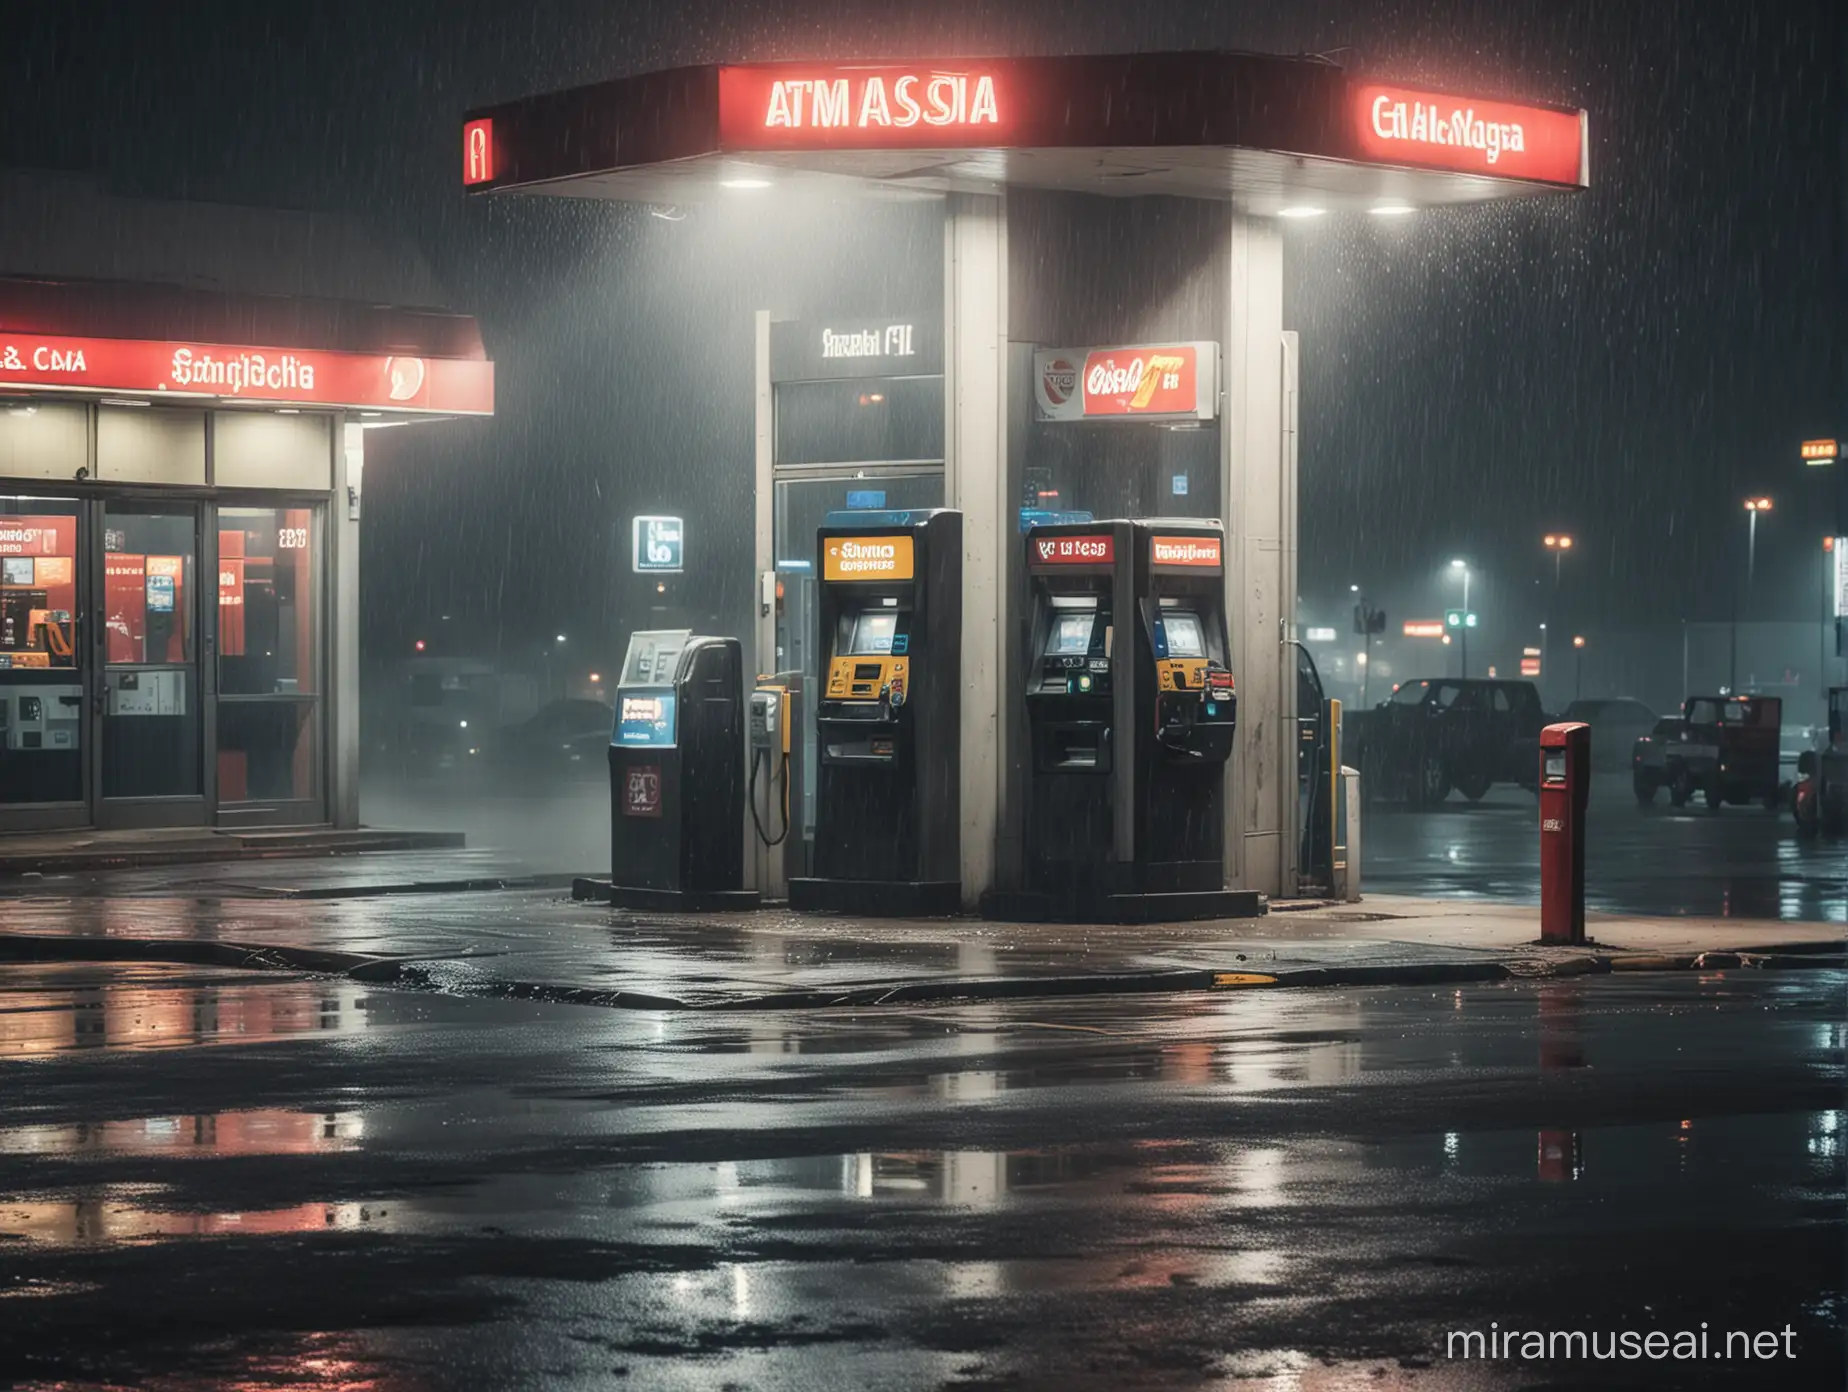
(1071, 634)
(1184, 637)
(872, 634)
(18, 570)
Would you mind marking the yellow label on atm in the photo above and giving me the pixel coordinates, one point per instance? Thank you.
(867, 558)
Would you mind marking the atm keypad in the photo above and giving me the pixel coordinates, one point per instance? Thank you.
(862, 679)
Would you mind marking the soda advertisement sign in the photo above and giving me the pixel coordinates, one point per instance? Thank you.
(867, 558)
(299, 376)
(1074, 550)
(1184, 551)
(1178, 381)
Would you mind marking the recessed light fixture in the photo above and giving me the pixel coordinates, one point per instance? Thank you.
(288, 411)
(744, 183)
(1301, 210)
(121, 401)
(1391, 209)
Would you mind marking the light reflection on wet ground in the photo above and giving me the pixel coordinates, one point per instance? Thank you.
(1299, 1187)
(50, 1009)
(1741, 862)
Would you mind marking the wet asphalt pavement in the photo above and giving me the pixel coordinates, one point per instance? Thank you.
(265, 1180)
(1739, 862)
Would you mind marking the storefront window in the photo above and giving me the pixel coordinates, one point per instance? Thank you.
(269, 580)
(41, 691)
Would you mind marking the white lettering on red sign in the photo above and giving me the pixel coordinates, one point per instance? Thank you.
(1184, 551)
(1074, 550)
(1426, 123)
(237, 374)
(878, 100)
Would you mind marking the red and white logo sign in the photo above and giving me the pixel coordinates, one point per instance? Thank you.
(1184, 551)
(641, 791)
(1058, 381)
(1397, 125)
(1178, 381)
(293, 376)
(478, 152)
(1074, 550)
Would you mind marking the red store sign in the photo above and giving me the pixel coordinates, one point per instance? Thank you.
(1178, 381)
(292, 376)
(1398, 125)
(1074, 550)
(863, 106)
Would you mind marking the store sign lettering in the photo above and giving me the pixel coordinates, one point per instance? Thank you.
(892, 341)
(882, 100)
(1470, 136)
(478, 152)
(148, 367)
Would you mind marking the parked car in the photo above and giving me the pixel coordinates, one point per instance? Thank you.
(1446, 732)
(1649, 757)
(1727, 751)
(565, 740)
(1617, 722)
(1820, 799)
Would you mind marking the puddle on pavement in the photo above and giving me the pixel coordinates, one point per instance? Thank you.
(59, 1009)
(127, 1214)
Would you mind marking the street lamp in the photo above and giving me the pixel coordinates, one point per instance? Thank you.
(1578, 676)
(1458, 563)
(1558, 543)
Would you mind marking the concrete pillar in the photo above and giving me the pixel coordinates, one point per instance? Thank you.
(342, 720)
(975, 480)
(1257, 486)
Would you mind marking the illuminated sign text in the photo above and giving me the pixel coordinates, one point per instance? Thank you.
(1465, 135)
(875, 100)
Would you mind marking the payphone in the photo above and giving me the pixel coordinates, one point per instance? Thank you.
(677, 777)
(1131, 713)
(773, 788)
(888, 717)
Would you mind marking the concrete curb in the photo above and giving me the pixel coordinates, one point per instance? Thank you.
(455, 976)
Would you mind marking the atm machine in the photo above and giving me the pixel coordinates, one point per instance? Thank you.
(676, 777)
(888, 718)
(1131, 713)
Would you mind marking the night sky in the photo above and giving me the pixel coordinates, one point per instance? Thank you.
(1626, 365)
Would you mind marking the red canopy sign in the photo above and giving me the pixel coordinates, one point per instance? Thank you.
(1398, 125)
(290, 376)
(1093, 549)
(864, 105)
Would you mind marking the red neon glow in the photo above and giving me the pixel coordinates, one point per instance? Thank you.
(865, 106)
(478, 152)
(1400, 125)
(299, 376)
(1423, 628)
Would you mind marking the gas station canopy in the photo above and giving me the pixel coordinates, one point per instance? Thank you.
(1268, 134)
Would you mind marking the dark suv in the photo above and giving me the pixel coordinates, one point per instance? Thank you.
(1448, 732)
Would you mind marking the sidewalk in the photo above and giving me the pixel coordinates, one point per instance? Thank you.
(59, 852)
(534, 942)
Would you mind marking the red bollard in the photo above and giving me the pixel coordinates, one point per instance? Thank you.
(1565, 783)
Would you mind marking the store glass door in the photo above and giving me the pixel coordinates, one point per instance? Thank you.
(43, 751)
(150, 732)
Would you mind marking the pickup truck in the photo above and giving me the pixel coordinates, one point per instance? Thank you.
(1726, 749)
(1440, 733)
